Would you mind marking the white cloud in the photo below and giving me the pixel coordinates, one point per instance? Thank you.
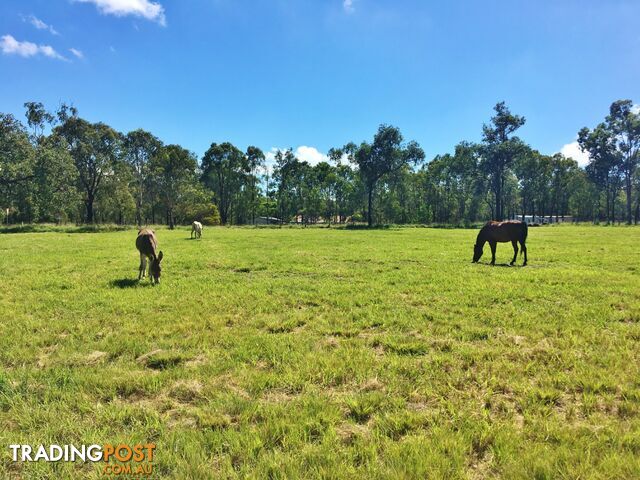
(40, 25)
(310, 154)
(270, 160)
(572, 150)
(303, 153)
(77, 53)
(139, 8)
(636, 109)
(348, 6)
(11, 46)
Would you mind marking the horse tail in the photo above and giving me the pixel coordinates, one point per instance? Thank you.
(525, 233)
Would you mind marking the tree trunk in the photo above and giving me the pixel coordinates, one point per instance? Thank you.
(224, 213)
(253, 202)
(608, 211)
(370, 204)
(612, 213)
(89, 205)
(497, 190)
(629, 201)
(139, 206)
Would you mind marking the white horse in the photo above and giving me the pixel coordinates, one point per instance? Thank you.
(196, 228)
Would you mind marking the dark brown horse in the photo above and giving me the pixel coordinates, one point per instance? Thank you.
(512, 231)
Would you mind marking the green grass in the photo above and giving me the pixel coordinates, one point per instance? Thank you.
(326, 353)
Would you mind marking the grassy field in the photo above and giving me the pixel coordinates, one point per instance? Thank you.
(326, 353)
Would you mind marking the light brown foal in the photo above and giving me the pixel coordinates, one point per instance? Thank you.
(147, 245)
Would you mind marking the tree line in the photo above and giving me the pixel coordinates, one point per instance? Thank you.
(62, 168)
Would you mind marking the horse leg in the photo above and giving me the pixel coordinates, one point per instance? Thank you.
(524, 250)
(493, 246)
(515, 251)
(143, 266)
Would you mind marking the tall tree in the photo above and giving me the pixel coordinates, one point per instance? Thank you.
(255, 160)
(55, 180)
(533, 171)
(173, 169)
(37, 118)
(387, 154)
(94, 149)
(224, 168)
(116, 200)
(624, 124)
(326, 180)
(604, 164)
(500, 150)
(562, 171)
(284, 176)
(140, 147)
(16, 159)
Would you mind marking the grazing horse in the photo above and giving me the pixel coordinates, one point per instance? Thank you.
(512, 231)
(196, 228)
(147, 245)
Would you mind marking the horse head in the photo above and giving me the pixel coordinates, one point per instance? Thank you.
(477, 252)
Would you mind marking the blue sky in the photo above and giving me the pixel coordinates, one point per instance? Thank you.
(320, 73)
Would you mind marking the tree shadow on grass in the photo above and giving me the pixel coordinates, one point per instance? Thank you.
(128, 283)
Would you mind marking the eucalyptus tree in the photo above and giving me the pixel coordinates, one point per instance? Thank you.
(284, 177)
(55, 181)
(326, 178)
(464, 179)
(224, 171)
(533, 171)
(604, 168)
(500, 150)
(562, 171)
(623, 122)
(298, 189)
(343, 182)
(116, 201)
(385, 155)
(37, 118)
(308, 192)
(140, 147)
(173, 169)
(94, 148)
(438, 189)
(16, 152)
(255, 160)
(347, 183)
(16, 161)
(454, 186)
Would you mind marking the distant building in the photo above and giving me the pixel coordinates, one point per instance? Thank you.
(542, 219)
(266, 221)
